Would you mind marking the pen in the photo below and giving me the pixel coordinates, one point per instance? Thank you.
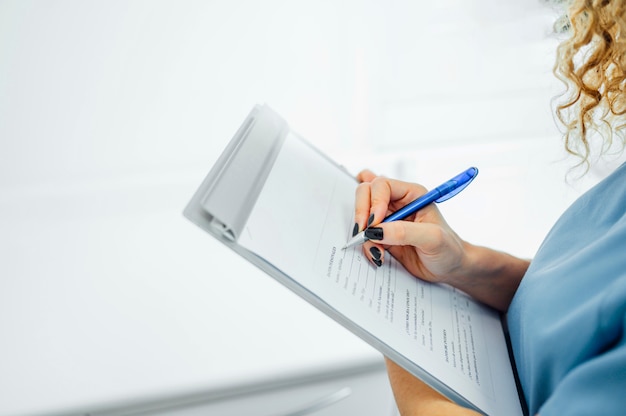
(441, 193)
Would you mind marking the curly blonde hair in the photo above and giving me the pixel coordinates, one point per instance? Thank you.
(591, 62)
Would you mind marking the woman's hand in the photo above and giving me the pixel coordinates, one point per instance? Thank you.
(423, 242)
(426, 245)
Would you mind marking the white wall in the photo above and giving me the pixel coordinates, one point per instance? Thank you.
(94, 89)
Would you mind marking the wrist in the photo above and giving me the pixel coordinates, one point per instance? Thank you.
(488, 275)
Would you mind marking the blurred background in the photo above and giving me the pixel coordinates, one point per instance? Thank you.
(112, 113)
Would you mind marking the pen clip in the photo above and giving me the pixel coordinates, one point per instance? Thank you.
(457, 184)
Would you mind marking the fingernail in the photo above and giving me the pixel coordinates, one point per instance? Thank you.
(355, 230)
(370, 220)
(377, 262)
(375, 253)
(375, 233)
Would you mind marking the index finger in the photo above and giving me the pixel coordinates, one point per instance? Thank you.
(365, 175)
(388, 195)
(361, 207)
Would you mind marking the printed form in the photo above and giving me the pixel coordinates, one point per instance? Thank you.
(300, 222)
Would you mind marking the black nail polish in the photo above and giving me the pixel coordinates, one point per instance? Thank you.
(355, 230)
(374, 233)
(375, 253)
(378, 262)
(370, 220)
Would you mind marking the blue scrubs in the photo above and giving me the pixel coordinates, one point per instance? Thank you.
(567, 320)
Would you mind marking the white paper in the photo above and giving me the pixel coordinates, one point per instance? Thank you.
(300, 222)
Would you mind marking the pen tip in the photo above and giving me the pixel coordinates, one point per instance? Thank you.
(357, 239)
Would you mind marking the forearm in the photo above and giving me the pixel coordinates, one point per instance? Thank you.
(414, 397)
(490, 276)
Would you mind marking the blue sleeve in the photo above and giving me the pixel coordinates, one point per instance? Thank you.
(595, 387)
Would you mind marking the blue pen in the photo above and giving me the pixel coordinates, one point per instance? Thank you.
(441, 193)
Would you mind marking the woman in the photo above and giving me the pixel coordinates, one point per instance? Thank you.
(566, 310)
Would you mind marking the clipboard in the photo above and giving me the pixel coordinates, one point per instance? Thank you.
(225, 206)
